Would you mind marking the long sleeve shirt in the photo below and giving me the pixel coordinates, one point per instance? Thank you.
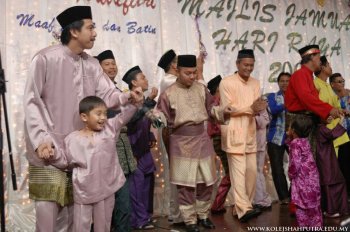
(96, 170)
(277, 128)
(239, 136)
(148, 104)
(262, 120)
(183, 105)
(190, 148)
(166, 81)
(213, 126)
(302, 95)
(140, 137)
(327, 95)
(304, 176)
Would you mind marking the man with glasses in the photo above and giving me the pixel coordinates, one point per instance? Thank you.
(338, 85)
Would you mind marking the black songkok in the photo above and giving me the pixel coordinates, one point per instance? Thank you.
(166, 59)
(130, 75)
(187, 61)
(74, 14)
(213, 84)
(245, 53)
(108, 54)
(308, 50)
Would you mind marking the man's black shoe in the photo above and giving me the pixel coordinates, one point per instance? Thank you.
(258, 211)
(262, 207)
(178, 224)
(217, 212)
(250, 214)
(192, 228)
(206, 223)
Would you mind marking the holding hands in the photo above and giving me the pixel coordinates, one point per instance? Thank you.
(45, 150)
(259, 105)
(336, 113)
(154, 93)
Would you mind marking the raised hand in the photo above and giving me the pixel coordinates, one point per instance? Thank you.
(136, 96)
(154, 93)
(200, 64)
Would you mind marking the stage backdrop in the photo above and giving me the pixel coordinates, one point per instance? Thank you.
(140, 31)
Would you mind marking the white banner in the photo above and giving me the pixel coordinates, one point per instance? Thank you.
(140, 31)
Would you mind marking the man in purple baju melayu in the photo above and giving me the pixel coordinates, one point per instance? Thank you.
(142, 140)
(59, 77)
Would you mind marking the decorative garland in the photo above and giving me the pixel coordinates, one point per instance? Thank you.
(202, 48)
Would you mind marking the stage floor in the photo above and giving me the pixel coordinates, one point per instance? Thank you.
(276, 217)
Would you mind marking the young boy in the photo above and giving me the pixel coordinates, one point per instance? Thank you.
(262, 199)
(214, 132)
(141, 140)
(97, 174)
(127, 161)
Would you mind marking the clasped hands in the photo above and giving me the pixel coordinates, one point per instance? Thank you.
(259, 105)
(45, 150)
